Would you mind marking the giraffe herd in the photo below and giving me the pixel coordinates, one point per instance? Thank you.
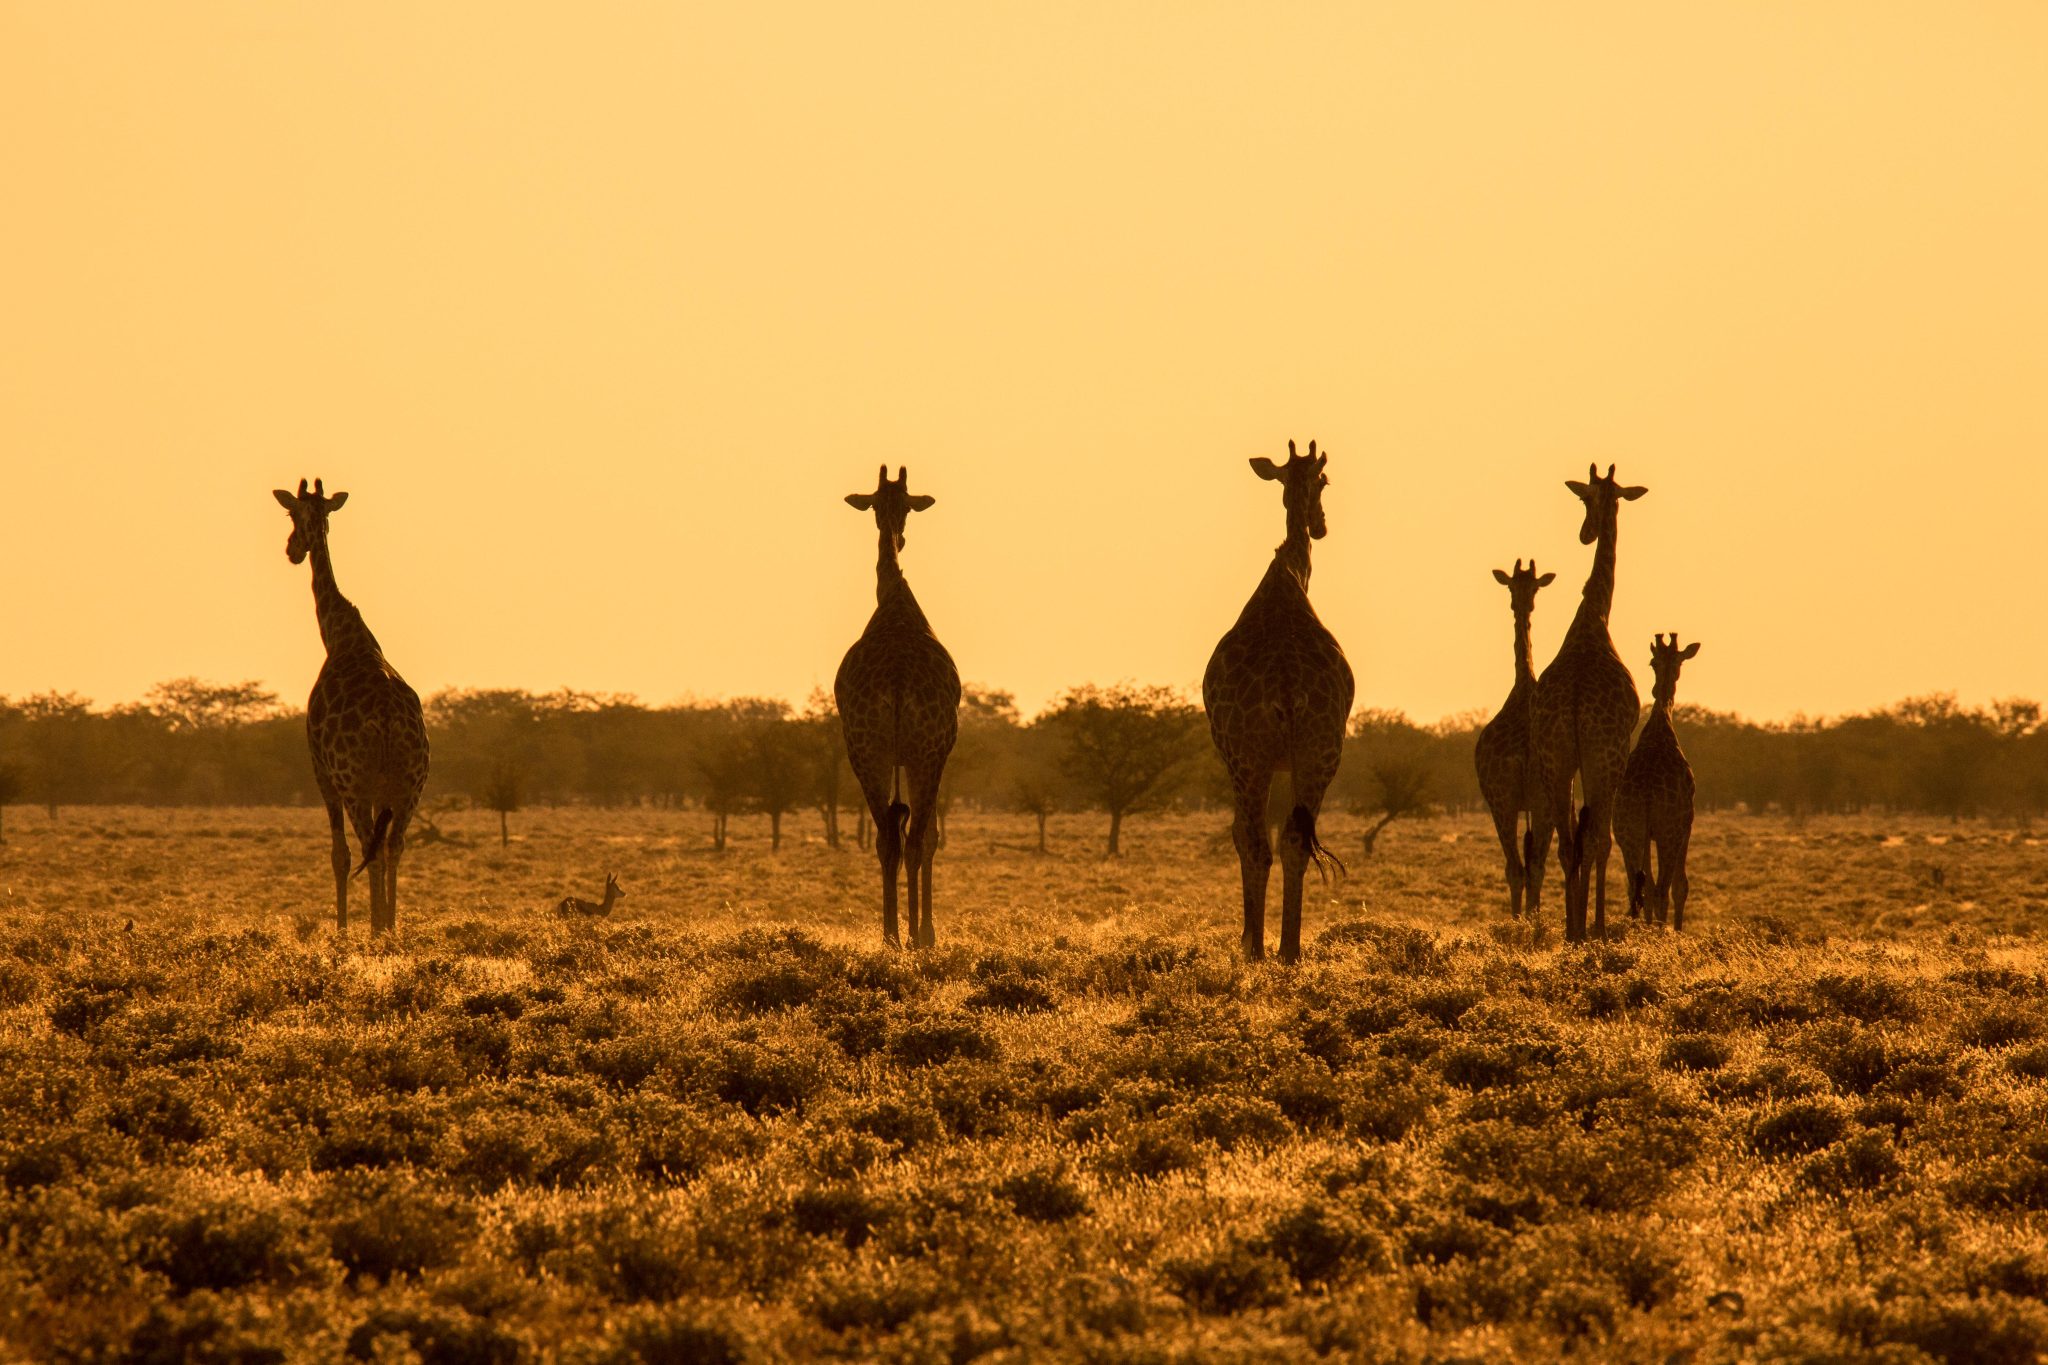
(1278, 694)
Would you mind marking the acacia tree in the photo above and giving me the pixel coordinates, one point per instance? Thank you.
(1124, 746)
(1037, 779)
(504, 791)
(719, 757)
(1388, 763)
(822, 756)
(772, 753)
(54, 732)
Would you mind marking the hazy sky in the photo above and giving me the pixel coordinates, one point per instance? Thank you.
(598, 310)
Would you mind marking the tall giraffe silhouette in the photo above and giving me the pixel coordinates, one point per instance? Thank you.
(1278, 693)
(1585, 710)
(1507, 777)
(363, 723)
(899, 708)
(1654, 806)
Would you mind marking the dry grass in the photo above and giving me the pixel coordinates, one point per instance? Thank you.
(725, 1125)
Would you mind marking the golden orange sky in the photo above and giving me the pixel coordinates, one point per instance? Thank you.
(598, 310)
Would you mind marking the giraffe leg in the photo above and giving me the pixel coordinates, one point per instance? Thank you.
(889, 853)
(920, 846)
(1505, 829)
(341, 860)
(1294, 850)
(1674, 878)
(394, 848)
(1600, 841)
(1254, 861)
(1565, 821)
(1535, 862)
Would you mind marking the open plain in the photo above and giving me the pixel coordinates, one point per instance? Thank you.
(726, 1124)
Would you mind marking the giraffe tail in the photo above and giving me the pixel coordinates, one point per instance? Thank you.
(374, 845)
(899, 821)
(1303, 823)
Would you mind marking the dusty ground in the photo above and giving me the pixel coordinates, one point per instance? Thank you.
(727, 1125)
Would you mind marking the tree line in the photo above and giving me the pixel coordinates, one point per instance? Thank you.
(1118, 750)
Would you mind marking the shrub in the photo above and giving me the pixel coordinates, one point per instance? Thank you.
(1318, 1240)
(1043, 1196)
(1863, 1162)
(1013, 994)
(842, 1211)
(225, 1245)
(1696, 1052)
(933, 1039)
(440, 1336)
(1229, 1280)
(387, 1224)
(1799, 1127)
(764, 1080)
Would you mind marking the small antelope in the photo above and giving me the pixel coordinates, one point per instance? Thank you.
(570, 905)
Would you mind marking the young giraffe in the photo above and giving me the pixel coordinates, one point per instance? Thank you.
(368, 738)
(899, 709)
(1507, 779)
(1585, 710)
(1278, 693)
(1655, 802)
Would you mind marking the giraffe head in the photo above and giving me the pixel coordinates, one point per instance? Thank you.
(1666, 658)
(1302, 482)
(1522, 585)
(892, 503)
(1603, 498)
(309, 518)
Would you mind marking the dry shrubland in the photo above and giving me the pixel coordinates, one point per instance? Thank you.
(725, 1124)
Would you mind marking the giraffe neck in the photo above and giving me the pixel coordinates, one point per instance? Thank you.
(1599, 593)
(341, 626)
(1293, 552)
(1525, 652)
(888, 571)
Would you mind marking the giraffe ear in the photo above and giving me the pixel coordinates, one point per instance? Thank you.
(860, 502)
(920, 501)
(1581, 489)
(1264, 467)
(1689, 650)
(1546, 580)
(1502, 579)
(334, 502)
(1631, 494)
(284, 499)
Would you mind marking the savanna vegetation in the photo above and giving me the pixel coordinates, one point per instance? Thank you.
(1120, 751)
(724, 1125)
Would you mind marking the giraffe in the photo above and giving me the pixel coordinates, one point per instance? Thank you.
(363, 723)
(1506, 777)
(1585, 709)
(1278, 693)
(1655, 802)
(899, 709)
